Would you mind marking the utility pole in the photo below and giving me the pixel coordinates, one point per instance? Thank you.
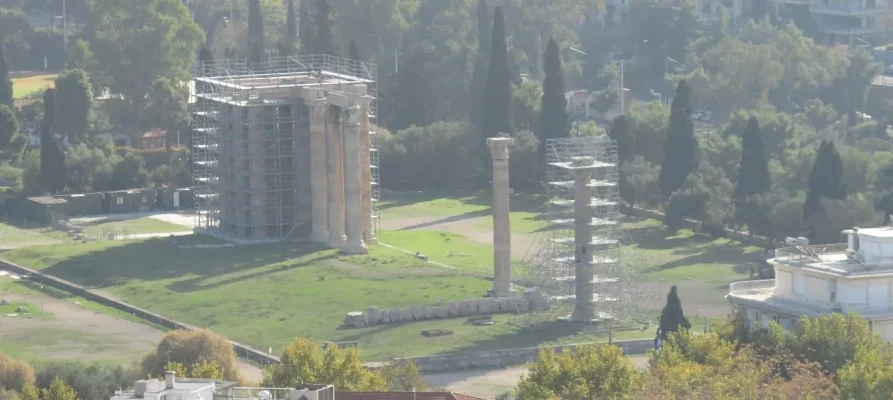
(65, 29)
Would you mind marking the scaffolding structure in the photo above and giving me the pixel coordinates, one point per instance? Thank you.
(251, 146)
(555, 264)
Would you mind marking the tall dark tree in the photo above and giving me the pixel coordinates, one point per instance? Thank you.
(883, 185)
(206, 58)
(619, 132)
(753, 175)
(478, 91)
(73, 90)
(256, 45)
(52, 158)
(415, 94)
(305, 29)
(681, 146)
(289, 44)
(497, 118)
(484, 28)
(9, 126)
(323, 39)
(353, 52)
(5, 81)
(826, 179)
(553, 112)
(671, 317)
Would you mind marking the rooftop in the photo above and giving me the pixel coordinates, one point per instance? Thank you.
(403, 396)
(47, 200)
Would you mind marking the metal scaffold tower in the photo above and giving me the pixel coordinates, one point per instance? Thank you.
(251, 147)
(579, 260)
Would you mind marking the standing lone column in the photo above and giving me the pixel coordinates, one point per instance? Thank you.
(354, 201)
(584, 311)
(502, 250)
(335, 174)
(318, 174)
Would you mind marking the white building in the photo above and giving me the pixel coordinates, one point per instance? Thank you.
(170, 389)
(816, 280)
(840, 21)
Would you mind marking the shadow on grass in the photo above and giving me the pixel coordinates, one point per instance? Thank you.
(454, 218)
(522, 337)
(149, 260)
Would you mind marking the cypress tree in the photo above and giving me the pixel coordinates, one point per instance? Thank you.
(671, 317)
(323, 41)
(289, 43)
(681, 146)
(753, 175)
(6, 94)
(825, 179)
(353, 52)
(52, 159)
(553, 111)
(205, 58)
(483, 15)
(497, 118)
(619, 132)
(589, 40)
(305, 30)
(256, 44)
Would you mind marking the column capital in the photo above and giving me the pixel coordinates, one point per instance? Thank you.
(499, 147)
(318, 107)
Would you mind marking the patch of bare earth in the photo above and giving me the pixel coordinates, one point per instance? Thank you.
(470, 228)
(85, 335)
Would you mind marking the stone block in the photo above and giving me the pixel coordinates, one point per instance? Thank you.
(453, 309)
(429, 312)
(407, 314)
(397, 315)
(502, 304)
(418, 313)
(464, 308)
(440, 312)
(488, 306)
(537, 300)
(386, 316)
(373, 316)
(355, 319)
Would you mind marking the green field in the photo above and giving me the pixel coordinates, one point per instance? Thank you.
(134, 226)
(12, 236)
(28, 86)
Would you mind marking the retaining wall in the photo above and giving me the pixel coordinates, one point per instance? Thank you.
(507, 357)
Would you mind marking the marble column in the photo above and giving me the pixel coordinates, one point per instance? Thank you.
(502, 237)
(352, 184)
(318, 172)
(584, 310)
(335, 175)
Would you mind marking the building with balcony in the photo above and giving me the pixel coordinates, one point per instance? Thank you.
(856, 276)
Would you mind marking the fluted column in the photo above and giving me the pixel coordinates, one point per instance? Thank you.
(366, 129)
(352, 184)
(335, 174)
(502, 236)
(318, 172)
(584, 310)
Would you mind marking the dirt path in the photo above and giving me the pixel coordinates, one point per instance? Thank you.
(75, 333)
(489, 383)
(470, 228)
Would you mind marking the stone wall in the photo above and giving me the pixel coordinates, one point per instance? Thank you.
(694, 225)
(530, 301)
(507, 357)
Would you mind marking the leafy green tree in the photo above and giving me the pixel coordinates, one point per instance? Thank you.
(819, 115)
(201, 369)
(323, 39)
(869, 376)
(167, 109)
(6, 93)
(825, 180)
(130, 173)
(671, 316)
(89, 381)
(404, 377)
(620, 133)
(883, 189)
(89, 168)
(599, 371)
(833, 216)
(192, 348)
(304, 361)
(497, 118)
(75, 97)
(305, 29)
(668, 26)
(289, 44)
(681, 146)
(753, 176)
(417, 101)
(638, 182)
(854, 83)
(256, 45)
(553, 112)
(9, 126)
(132, 59)
(58, 390)
(595, 45)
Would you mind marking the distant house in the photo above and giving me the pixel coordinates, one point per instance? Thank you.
(154, 139)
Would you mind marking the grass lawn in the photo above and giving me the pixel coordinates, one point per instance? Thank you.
(135, 226)
(444, 247)
(25, 87)
(11, 235)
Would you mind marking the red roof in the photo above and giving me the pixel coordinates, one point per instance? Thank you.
(403, 396)
(154, 133)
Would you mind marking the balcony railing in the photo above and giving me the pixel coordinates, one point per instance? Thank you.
(796, 253)
(752, 287)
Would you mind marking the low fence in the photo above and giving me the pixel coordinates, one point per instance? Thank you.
(507, 357)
